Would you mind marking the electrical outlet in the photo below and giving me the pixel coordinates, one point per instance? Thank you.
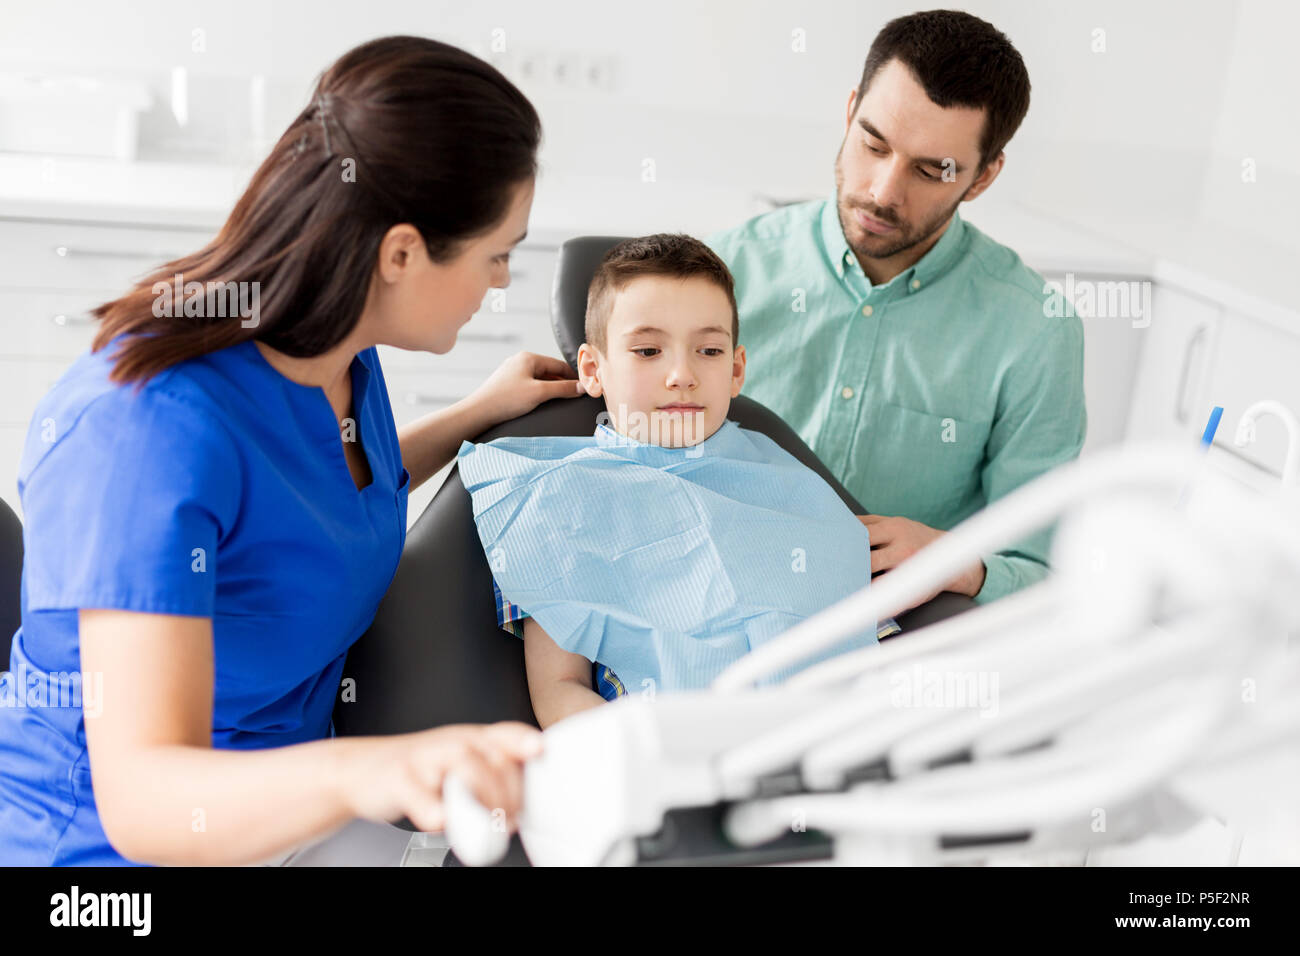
(539, 69)
(533, 68)
(566, 70)
(600, 73)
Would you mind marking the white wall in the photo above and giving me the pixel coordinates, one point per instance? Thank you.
(1141, 144)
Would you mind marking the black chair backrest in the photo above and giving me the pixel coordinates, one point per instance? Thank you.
(434, 654)
(11, 573)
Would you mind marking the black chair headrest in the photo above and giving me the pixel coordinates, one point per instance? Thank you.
(573, 271)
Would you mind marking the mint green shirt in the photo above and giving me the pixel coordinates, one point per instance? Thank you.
(929, 396)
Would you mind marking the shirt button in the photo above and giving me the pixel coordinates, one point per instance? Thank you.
(846, 392)
(866, 310)
(916, 284)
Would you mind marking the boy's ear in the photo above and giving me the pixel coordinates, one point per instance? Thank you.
(737, 370)
(589, 370)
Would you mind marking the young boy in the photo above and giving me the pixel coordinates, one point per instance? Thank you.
(656, 552)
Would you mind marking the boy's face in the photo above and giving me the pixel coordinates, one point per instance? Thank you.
(669, 370)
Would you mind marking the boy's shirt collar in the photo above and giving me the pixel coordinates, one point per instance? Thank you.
(607, 437)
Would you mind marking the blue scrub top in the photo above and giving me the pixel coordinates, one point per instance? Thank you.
(221, 490)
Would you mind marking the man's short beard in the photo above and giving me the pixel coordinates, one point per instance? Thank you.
(903, 243)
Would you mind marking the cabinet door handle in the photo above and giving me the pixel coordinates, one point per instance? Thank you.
(427, 398)
(489, 337)
(70, 252)
(65, 319)
(1184, 378)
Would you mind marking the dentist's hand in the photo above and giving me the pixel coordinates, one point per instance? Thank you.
(895, 539)
(524, 381)
(386, 778)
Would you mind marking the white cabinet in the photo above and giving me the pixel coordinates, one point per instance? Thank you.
(1112, 345)
(1254, 360)
(1199, 354)
(1171, 394)
(64, 256)
(43, 323)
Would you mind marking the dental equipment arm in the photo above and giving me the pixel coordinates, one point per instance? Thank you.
(1119, 688)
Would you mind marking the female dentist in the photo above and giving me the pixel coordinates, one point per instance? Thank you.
(216, 502)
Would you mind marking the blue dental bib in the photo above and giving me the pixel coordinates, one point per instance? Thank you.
(666, 564)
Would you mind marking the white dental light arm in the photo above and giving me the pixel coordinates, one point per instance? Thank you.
(1034, 505)
(976, 802)
(1029, 710)
(1027, 605)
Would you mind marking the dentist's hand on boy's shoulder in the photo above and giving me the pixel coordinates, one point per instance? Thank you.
(524, 381)
(895, 539)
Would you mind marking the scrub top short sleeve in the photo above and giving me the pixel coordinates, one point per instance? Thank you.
(155, 488)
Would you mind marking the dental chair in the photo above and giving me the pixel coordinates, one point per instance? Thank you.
(434, 654)
(11, 570)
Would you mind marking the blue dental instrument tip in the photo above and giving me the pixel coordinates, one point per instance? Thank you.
(1212, 426)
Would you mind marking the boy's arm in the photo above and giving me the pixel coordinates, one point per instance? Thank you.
(559, 683)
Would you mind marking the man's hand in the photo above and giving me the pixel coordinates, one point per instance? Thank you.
(895, 539)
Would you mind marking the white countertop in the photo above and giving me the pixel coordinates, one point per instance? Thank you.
(97, 190)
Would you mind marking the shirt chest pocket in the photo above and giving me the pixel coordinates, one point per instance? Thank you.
(927, 465)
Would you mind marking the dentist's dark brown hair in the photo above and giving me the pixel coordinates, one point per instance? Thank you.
(399, 130)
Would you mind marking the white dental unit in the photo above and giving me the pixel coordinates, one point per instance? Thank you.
(1149, 685)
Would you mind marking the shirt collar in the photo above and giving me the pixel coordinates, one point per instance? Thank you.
(360, 380)
(359, 370)
(607, 437)
(938, 260)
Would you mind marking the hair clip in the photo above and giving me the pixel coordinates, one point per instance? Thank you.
(322, 105)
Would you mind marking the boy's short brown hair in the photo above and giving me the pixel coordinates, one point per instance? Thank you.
(675, 255)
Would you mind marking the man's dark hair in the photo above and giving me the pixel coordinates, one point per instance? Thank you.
(960, 60)
(675, 255)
